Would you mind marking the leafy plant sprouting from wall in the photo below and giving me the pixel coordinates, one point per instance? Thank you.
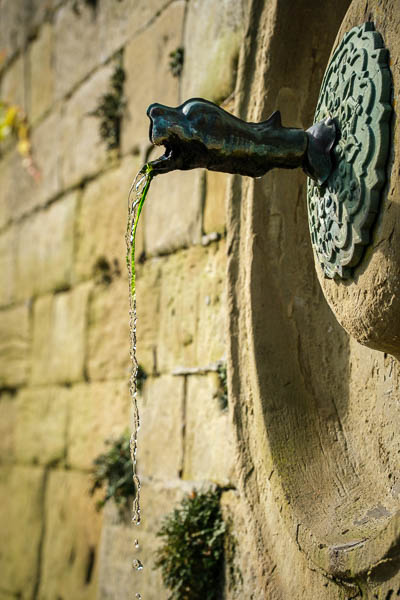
(113, 473)
(192, 553)
(176, 59)
(110, 109)
(14, 123)
(223, 386)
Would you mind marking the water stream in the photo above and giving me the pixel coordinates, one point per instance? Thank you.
(136, 199)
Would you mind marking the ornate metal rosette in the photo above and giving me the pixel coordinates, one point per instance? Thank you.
(356, 93)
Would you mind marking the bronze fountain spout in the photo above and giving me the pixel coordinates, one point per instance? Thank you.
(198, 133)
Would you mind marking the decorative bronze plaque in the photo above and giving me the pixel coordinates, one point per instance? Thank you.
(356, 93)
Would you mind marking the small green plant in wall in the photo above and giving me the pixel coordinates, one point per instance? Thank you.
(110, 109)
(113, 473)
(223, 386)
(176, 59)
(192, 551)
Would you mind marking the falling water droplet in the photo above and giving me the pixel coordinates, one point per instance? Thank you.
(136, 564)
(138, 596)
(136, 542)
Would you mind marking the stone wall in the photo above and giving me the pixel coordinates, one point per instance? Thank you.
(64, 341)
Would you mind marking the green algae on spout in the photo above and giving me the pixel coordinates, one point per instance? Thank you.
(136, 199)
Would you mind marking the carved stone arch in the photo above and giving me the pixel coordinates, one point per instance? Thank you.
(316, 414)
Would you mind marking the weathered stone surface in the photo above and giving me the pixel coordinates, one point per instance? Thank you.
(21, 520)
(7, 427)
(99, 411)
(239, 571)
(120, 21)
(13, 26)
(304, 441)
(192, 304)
(41, 424)
(59, 337)
(148, 77)
(83, 151)
(173, 211)
(108, 342)
(13, 83)
(213, 34)
(148, 286)
(19, 192)
(46, 249)
(6, 164)
(40, 56)
(160, 437)
(117, 549)
(70, 562)
(214, 218)
(103, 220)
(209, 450)
(76, 49)
(20, 20)
(8, 247)
(45, 138)
(14, 345)
(41, 11)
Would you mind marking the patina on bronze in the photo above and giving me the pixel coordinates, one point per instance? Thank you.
(199, 133)
(356, 91)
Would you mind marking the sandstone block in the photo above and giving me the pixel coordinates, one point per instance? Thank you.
(160, 436)
(120, 21)
(7, 427)
(14, 345)
(8, 245)
(40, 56)
(46, 144)
(12, 25)
(99, 411)
(6, 189)
(45, 249)
(19, 192)
(83, 151)
(192, 306)
(173, 211)
(21, 519)
(41, 424)
(148, 77)
(148, 286)
(13, 82)
(209, 452)
(117, 548)
(213, 35)
(214, 209)
(103, 220)
(70, 562)
(16, 185)
(108, 343)
(40, 10)
(59, 337)
(76, 49)
(19, 20)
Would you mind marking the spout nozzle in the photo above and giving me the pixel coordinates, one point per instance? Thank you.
(321, 140)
